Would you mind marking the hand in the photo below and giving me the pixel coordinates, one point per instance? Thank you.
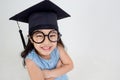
(46, 73)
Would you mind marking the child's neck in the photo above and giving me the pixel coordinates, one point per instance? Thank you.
(46, 57)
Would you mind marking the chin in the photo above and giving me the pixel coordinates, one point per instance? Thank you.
(45, 53)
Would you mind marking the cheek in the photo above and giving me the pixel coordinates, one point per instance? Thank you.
(36, 46)
(54, 44)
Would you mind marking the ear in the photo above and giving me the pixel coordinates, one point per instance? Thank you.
(31, 41)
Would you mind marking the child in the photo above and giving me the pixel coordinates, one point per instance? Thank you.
(44, 56)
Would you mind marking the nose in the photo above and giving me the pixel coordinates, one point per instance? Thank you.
(46, 41)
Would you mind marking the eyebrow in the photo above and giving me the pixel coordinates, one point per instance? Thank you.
(43, 31)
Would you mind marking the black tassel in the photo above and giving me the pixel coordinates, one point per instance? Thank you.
(21, 35)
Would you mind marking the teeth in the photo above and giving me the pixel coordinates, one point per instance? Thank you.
(46, 48)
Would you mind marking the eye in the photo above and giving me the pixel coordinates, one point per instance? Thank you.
(39, 35)
(53, 35)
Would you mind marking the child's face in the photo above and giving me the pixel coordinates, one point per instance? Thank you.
(46, 39)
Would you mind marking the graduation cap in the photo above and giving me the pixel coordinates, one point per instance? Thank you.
(43, 15)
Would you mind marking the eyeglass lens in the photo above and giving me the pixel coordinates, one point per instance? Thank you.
(39, 36)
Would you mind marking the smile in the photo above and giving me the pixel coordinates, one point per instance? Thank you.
(46, 48)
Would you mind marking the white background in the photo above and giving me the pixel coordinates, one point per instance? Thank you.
(91, 35)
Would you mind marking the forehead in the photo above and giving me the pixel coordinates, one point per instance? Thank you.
(46, 31)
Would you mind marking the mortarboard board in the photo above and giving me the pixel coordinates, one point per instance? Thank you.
(43, 15)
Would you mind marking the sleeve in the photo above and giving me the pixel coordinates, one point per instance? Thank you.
(29, 56)
(34, 57)
(56, 54)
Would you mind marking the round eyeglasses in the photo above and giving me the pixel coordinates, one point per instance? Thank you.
(39, 37)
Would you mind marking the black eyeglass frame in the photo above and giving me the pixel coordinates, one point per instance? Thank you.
(58, 33)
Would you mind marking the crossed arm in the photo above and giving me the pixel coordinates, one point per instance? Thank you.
(64, 65)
